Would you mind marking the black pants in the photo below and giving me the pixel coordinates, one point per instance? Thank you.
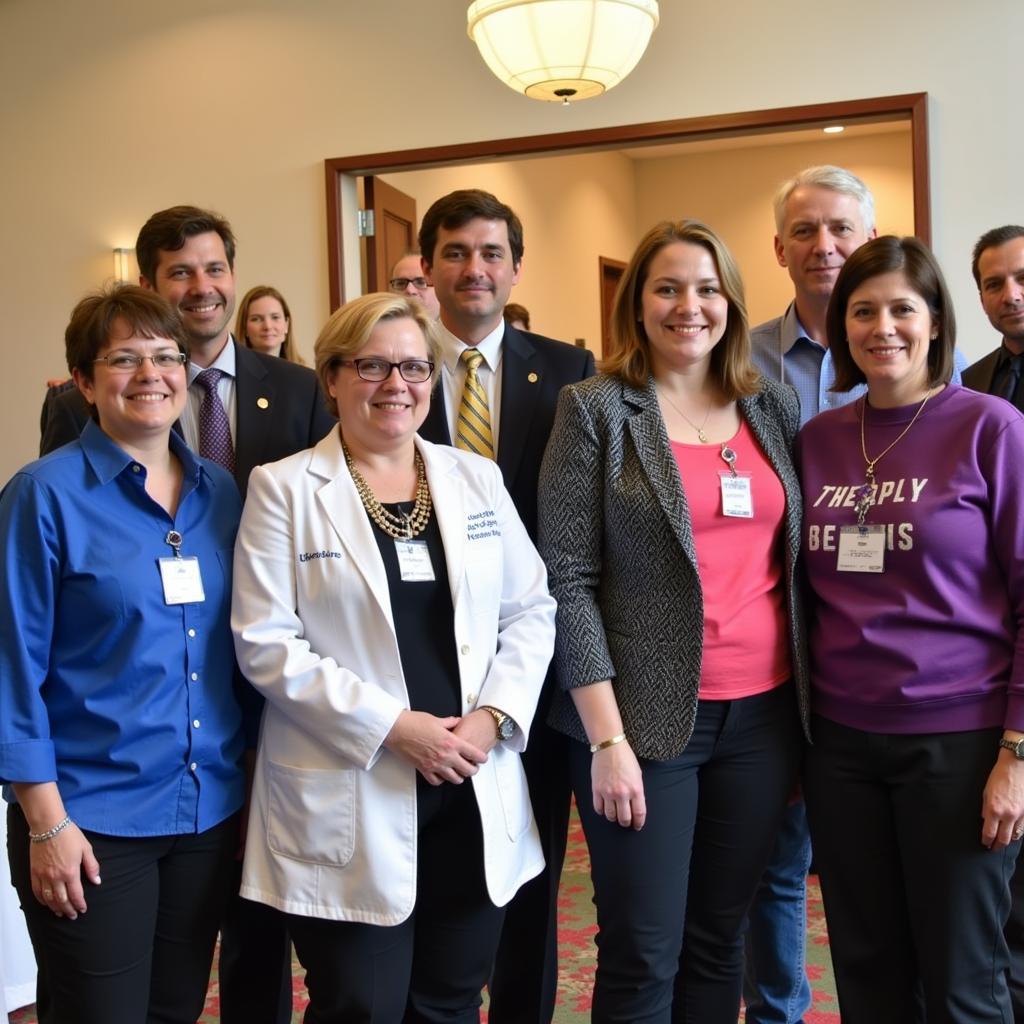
(431, 967)
(672, 898)
(141, 954)
(914, 903)
(255, 968)
(524, 983)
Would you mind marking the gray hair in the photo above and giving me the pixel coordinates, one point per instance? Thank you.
(831, 177)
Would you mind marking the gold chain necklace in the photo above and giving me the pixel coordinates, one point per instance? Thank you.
(403, 527)
(865, 494)
(700, 430)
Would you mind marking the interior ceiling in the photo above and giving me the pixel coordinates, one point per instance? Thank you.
(765, 138)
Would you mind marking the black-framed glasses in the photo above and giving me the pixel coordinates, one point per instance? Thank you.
(399, 284)
(129, 362)
(413, 371)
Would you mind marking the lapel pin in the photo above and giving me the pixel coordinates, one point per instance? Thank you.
(262, 403)
(532, 378)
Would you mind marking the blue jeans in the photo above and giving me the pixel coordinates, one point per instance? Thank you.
(775, 986)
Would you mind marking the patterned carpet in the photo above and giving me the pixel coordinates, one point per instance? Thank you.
(578, 955)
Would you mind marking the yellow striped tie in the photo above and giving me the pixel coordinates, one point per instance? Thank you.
(473, 429)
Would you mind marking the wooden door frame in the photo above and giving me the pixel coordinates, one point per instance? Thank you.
(912, 107)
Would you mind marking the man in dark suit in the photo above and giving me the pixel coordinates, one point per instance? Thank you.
(265, 409)
(998, 267)
(497, 396)
(997, 263)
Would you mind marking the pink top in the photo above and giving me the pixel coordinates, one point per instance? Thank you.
(740, 563)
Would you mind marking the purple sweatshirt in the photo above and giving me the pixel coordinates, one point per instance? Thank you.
(934, 642)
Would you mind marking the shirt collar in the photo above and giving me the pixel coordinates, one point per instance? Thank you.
(108, 460)
(793, 331)
(489, 347)
(225, 362)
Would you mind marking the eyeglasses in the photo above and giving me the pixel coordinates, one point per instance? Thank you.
(413, 371)
(129, 362)
(399, 284)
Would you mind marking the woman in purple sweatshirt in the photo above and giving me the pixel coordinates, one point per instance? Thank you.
(914, 548)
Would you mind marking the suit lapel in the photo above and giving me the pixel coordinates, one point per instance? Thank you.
(255, 404)
(647, 429)
(521, 377)
(435, 426)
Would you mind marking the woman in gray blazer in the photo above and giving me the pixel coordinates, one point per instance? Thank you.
(670, 523)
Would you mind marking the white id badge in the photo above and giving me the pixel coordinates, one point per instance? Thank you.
(182, 582)
(737, 499)
(861, 549)
(414, 561)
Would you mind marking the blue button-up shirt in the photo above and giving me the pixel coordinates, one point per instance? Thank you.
(782, 350)
(123, 700)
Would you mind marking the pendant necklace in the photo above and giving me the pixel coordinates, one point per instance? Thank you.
(700, 430)
(865, 494)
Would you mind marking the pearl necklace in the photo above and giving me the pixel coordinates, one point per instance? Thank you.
(403, 527)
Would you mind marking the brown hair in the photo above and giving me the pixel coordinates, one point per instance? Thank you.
(730, 359)
(351, 325)
(94, 318)
(886, 255)
(991, 240)
(266, 291)
(169, 230)
(457, 209)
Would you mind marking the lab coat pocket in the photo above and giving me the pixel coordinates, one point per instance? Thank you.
(512, 791)
(311, 814)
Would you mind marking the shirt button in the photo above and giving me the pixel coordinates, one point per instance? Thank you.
(195, 722)
(136, 468)
(470, 698)
(464, 649)
(193, 766)
(195, 676)
(191, 632)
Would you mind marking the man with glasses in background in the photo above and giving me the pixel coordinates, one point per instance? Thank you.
(407, 279)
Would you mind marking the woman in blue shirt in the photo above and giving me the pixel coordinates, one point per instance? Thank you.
(120, 736)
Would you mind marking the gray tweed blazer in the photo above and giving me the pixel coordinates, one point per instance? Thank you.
(615, 533)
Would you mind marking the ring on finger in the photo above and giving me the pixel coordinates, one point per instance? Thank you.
(47, 894)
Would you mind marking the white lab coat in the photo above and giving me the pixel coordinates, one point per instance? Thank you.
(332, 825)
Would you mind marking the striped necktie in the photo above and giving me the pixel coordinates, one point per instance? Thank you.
(473, 429)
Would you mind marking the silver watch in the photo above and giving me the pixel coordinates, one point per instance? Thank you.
(1017, 746)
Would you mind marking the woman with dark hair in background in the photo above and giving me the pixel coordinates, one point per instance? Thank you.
(914, 547)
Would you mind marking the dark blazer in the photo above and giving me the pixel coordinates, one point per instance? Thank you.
(534, 369)
(279, 408)
(978, 376)
(615, 533)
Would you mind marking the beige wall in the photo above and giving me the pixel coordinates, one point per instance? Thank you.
(732, 190)
(111, 111)
(573, 209)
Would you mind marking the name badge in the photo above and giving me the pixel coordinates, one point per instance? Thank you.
(414, 561)
(861, 549)
(183, 583)
(737, 499)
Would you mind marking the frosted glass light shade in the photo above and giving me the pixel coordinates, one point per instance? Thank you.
(561, 50)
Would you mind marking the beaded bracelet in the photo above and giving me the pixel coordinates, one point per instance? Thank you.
(604, 744)
(45, 837)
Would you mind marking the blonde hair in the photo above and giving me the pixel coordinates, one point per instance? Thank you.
(351, 325)
(630, 357)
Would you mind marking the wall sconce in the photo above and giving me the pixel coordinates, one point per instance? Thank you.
(122, 265)
(562, 50)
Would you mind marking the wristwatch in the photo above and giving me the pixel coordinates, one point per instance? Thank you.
(1017, 746)
(506, 727)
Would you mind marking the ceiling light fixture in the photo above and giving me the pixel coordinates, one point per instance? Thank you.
(833, 129)
(562, 50)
